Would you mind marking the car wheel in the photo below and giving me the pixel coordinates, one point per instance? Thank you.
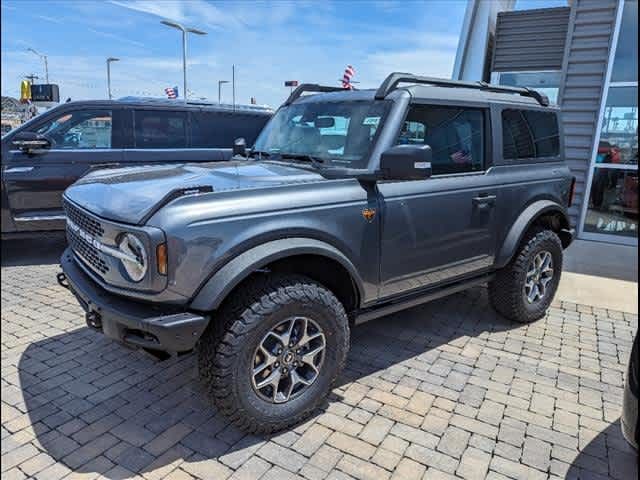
(524, 289)
(275, 350)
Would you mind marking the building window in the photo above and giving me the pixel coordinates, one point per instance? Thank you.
(625, 64)
(547, 83)
(612, 209)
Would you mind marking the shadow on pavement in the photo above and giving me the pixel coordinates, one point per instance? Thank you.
(94, 405)
(41, 250)
(607, 455)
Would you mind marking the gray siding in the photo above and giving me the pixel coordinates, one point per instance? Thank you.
(530, 39)
(589, 38)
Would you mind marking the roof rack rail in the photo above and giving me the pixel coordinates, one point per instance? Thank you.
(310, 87)
(391, 82)
(204, 103)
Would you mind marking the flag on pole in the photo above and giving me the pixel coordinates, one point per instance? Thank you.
(171, 92)
(349, 72)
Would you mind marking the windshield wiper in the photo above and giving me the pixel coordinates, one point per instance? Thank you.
(259, 154)
(315, 161)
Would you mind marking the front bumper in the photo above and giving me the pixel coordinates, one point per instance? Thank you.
(143, 325)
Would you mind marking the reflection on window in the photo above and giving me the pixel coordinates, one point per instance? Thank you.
(547, 83)
(455, 136)
(613, 203)
(625, 65)
(529, 134)
(158, 129)
(81, 129)
(619, 136)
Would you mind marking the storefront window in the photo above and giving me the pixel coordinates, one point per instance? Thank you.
(612, 209)
(619, 136)
(625, 65)
(613, 203)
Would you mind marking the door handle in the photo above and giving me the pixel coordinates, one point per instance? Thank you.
(484, 200)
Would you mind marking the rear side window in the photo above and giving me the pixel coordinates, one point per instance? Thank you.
(529, 134)
(455, 135)
(220, 129)
(160, 129)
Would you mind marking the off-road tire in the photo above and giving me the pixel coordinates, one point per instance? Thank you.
(226, 349)
(506, 289)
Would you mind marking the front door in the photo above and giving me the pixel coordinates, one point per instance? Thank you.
(81, 141)
(441, 229)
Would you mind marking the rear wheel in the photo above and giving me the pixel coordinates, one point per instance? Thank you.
(524, 289)
(274, 352)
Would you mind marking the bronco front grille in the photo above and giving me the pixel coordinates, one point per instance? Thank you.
(86, 251)
(90, 225)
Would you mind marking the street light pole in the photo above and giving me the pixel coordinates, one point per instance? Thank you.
(184, 31)
(220, 82)
(46, 63)
(109, 60)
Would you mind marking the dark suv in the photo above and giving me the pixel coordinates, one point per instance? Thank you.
(44, 156)
(351, 205)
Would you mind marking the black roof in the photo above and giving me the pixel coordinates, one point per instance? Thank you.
(178, 105)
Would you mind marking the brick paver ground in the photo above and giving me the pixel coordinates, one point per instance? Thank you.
(447, 390)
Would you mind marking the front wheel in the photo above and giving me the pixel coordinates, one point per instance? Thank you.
(274, 352)
(524, 289)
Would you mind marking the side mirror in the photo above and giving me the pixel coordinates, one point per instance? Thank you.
(30, 141)
(239, 147)
(406, 162)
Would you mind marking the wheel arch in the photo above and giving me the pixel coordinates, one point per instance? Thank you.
(546, 213)
(316, 259)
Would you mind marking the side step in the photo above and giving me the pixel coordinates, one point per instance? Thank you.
(372, 313)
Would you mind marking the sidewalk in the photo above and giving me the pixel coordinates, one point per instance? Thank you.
(600, 274)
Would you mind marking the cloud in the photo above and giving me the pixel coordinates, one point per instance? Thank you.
(170, 9)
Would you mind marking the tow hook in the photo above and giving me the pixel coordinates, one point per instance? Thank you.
(93, 320)
(62, 280)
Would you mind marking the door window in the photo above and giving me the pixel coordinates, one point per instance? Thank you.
(455, 135)
(529, 134)
(160, 129)
(82, 129)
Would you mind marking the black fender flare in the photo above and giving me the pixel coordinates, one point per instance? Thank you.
(524, 221)
(233, 272)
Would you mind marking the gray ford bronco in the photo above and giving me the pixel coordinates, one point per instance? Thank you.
(351, 205)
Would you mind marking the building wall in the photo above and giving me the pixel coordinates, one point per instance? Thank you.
(586, 56)
(530, 40)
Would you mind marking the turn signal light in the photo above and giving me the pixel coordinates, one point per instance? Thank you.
(161, 258)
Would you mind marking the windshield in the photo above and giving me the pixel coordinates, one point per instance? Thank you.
(336, 133)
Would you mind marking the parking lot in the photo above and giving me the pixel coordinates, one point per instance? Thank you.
(445, 390)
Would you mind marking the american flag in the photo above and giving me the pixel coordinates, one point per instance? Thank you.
(461, 156)
(171, 92)
(346, 78)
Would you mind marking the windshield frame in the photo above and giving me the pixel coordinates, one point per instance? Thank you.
(328, 162)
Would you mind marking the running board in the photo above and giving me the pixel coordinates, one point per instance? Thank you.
(372, 313)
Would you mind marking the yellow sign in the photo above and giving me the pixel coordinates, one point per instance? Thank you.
(25, 91)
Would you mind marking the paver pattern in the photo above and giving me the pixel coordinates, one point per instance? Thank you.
(446, 390)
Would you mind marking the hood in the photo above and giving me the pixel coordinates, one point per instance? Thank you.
(130, 194)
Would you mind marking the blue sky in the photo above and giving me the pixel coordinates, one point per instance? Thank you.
(268, 41)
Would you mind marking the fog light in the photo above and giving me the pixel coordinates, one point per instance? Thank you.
(161, 256)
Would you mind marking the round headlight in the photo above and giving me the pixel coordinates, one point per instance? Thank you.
(136, 264)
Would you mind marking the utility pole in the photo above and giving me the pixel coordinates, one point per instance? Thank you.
(46, 63)
(233, 87)
(31, 78)
(184, 31)
(109, 60)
